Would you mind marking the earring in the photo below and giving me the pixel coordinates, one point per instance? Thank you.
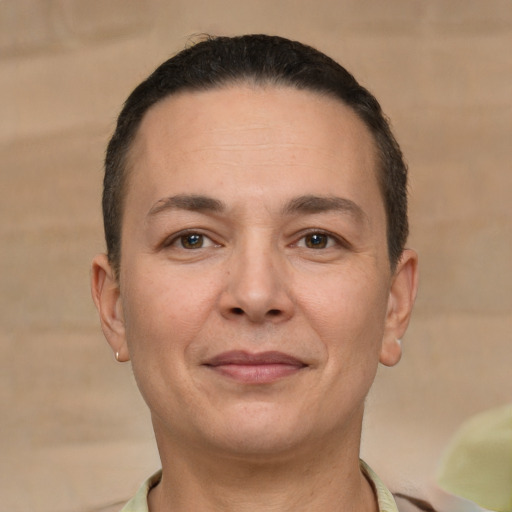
(399, 341)
(117, 356)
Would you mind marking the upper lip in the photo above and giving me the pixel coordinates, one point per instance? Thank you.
(243, 358)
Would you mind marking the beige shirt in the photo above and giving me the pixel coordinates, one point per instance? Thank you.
(139, 503)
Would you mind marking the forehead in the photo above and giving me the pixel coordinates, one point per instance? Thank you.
(238, 135)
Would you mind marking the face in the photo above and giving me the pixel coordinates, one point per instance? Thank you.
(255, 296)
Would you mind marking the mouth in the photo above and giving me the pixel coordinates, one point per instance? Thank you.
(260, 368)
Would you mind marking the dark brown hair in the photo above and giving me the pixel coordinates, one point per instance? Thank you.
(261, 59)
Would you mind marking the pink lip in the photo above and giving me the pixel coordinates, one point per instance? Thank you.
(261, 368)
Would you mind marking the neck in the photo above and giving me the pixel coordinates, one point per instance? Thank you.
(318, 478)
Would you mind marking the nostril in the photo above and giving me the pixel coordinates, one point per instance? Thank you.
(238, 311)
(274, 312)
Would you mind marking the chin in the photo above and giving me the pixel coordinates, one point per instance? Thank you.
(261, 433)
(257, 445)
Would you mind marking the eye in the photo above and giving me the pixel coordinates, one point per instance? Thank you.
(191, 241)
(317, 240)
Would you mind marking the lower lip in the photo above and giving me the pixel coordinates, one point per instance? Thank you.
(257, 373)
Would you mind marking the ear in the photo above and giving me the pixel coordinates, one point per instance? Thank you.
(106, 295)
(402, 295)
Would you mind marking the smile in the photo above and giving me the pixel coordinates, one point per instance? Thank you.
(261, 368)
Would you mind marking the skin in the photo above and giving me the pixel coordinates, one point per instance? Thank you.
(254, 223)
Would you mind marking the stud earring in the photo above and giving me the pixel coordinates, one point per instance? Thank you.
(117, 356)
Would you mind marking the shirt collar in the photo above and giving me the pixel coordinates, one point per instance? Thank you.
(385, 499)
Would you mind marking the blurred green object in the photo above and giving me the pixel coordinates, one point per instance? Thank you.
(477, 463)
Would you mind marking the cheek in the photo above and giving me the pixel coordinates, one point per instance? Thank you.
(348, 314)
(349, 303)
(164, 317)
(164, 310)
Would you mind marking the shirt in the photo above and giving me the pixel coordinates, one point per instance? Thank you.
(385, 499)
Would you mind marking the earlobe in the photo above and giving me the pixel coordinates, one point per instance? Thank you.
(106, 296)
(402, 295)
(391, 352)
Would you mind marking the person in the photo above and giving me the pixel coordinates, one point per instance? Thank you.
(255, 214)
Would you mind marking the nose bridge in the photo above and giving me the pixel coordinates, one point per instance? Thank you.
(256, 284)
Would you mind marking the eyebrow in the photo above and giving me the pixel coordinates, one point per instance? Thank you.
(307, 204)
(196, 203)
(319, 204)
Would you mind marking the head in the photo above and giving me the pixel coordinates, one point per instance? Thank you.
(259, 59)
(255, 216)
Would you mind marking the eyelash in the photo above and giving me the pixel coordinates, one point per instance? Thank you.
(175, 239)
(335, 239)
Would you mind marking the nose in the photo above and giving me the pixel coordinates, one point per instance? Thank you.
(258, 287)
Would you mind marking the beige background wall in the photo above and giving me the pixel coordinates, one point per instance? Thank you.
(75, 434)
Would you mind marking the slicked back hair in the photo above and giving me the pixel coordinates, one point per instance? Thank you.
(215, 62)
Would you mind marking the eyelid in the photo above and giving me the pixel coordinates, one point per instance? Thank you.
(172, 240)
(338, 240)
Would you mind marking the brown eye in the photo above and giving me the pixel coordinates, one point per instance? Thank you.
(192, 241)
(316, 241)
